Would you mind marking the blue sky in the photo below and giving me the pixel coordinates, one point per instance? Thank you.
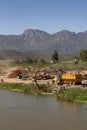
(47, 15)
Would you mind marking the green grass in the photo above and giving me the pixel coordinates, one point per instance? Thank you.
(60, 65)
(80, 65)
(28, 89)
(38, 65)
(73, 94)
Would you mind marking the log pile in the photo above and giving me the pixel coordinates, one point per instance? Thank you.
(34, 73)
(43, 76)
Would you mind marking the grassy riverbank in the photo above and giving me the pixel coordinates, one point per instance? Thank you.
(73, 94)
(34, 89)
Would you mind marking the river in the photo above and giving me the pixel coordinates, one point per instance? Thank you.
(27, 112)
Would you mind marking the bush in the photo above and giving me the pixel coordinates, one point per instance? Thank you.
(73, 94)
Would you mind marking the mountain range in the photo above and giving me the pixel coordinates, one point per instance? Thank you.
(38, 42)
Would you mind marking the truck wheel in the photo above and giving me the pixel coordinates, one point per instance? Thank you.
(74, 83)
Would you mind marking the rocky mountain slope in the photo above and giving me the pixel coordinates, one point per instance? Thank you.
(65, 42)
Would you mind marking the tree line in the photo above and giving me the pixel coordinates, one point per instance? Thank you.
(54, 58)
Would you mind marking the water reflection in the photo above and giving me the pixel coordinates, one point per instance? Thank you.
(26, 112)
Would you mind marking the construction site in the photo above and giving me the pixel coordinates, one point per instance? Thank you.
(57, 77)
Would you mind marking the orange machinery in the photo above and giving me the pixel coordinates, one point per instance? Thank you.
(69, 78)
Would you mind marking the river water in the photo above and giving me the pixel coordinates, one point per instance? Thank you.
(26, 112)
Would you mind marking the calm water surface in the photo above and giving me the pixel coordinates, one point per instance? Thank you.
(26, 112)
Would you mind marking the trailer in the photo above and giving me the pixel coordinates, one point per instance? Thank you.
(72, 79)
(69, 78)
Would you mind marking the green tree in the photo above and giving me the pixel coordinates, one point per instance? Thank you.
(42, 61)
(29, 60)
(55, 57)
(83, 55)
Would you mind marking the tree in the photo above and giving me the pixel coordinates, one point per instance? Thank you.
(29, 60)
(42, 61)
(55, 57)
(83, 55)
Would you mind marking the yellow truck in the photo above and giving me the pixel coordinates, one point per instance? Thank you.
(69, 78)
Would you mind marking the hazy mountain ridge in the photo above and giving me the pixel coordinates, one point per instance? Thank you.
(65, 42)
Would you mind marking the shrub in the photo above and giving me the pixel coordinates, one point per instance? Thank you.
(73, 94)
